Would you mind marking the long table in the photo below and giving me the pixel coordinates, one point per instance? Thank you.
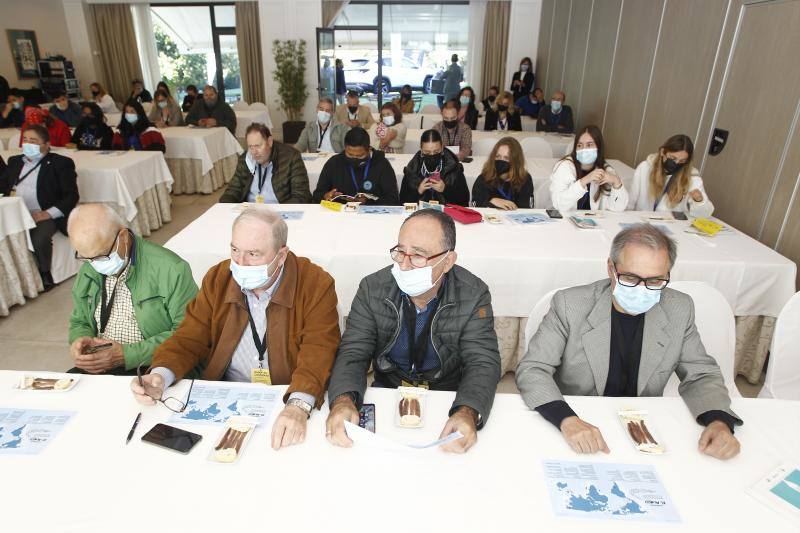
(559, 144)
(87, 478)
(20, 278)
(539, 168)
(200, 159)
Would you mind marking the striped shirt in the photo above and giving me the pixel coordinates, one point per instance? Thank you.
(461, 136)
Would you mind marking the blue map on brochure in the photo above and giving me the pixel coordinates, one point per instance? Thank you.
(608, 491)
(291, 215)
(529, 218)
(662, 227)
(29, 431)
(381, 209)
(214, 404)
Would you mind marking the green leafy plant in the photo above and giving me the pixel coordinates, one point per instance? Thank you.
(290, 62)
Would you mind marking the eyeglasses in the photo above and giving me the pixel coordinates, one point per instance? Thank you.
(632, 280)
(419, 261)
(104, 257)
(173, 404)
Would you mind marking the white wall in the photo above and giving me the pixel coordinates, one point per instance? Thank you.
(523, 36)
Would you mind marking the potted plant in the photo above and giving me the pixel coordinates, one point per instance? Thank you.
(289, 73)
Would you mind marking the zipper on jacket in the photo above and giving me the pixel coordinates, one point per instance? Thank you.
(389, 346)
(433, 325)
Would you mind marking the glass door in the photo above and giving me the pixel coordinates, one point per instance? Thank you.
(326, 64)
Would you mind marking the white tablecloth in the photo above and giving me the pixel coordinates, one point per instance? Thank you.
(9, 138)
(245, 117)
(19, 276)
(15, 218)
(209, 145)
(538, 167)
(497, 486)
(520, 264)
(559, 144)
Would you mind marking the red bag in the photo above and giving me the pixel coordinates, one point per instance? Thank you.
(461, 214)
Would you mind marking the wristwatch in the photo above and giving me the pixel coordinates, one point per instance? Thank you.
(305, 406)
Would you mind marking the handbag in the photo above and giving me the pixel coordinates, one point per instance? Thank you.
(463, 215)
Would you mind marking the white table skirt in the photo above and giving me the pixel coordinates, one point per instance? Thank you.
(20, 277)
(9, 138)
(497, 486)
(538, 167)
(189, 177)
(208, 145)
(559, 144)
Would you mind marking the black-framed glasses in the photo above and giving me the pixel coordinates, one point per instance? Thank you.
(104, 257)
(632, 280)
(173, 404)
(419, 261)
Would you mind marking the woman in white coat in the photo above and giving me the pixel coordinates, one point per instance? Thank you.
(583, 180)
(666, 181)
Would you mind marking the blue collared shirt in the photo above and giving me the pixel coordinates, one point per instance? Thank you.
(266, 191)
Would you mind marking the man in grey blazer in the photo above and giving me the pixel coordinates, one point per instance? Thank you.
(625, 336)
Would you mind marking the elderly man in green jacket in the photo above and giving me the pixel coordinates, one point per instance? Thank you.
(269, 172)
(129, 296)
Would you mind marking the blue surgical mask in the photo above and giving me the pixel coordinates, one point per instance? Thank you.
(132, 118)
(635, 300)
(31, 151)
(252, 277)
(111, 266)
(162, 104)
(388, 120)
(464, 100)
(555, 105)
(416, 281)
(16, 105)
(586, 156)
(323, 117)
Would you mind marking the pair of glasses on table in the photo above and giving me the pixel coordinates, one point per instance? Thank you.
(173, 404)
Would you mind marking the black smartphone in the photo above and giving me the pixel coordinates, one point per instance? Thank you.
(467, 160)
(553, 213)
(366, 417)
(97, 348)
(172, 438)
(679, 215)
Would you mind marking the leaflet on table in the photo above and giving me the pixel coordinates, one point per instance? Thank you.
(583, 222)
(368, 439)
(215, 404)
(381, 210)
(29, 431)
(528, 219)
(780, 491)
(662, 227)
(608, 491)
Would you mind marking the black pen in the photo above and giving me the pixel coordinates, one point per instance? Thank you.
(133, 428)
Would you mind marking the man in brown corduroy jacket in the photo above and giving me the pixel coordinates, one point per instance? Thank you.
(265, 315)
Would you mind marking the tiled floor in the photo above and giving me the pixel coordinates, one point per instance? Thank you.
(34, 336)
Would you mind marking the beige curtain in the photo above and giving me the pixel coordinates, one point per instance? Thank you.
(495, 44)
(248, 42)
(119, 54)
(330, 10)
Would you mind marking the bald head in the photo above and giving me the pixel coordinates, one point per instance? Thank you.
(93, 228)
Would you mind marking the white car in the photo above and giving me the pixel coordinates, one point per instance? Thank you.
(362, 75)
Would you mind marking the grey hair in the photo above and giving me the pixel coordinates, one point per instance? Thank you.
(445, 222)
(326, 100)
(107, 228)
(644, 235)
(280, 231)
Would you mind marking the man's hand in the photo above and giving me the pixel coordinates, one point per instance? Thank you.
(203, 122)
(464, 420)
(330, 194)
(424, 185)
(211, 122)
(39, 216)
(505, 205)
(360, 198)
(353, 123)
(78, 346)
(583, 437)
(718, 441)
(696, 195)
(103, 360)
(289, 428)
(342, 409)
(152, 390)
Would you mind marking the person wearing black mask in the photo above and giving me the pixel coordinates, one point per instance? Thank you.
(353, 114)
(506, 117)
(357, 172)
(405, 102)
(522, 82)
(454, 133)
(491, 98)
(434, 173)
(210, 112)
(139, 93)
(188, 100)
(504, 182)
(92, 132)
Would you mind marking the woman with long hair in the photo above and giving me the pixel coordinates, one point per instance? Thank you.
(468, 114)
(136, 132)
(505, 117)
(584, 180)
(434, 173)
(666, 181)
(102, 98)
(92, 132)
(389, 135)
(504, 182)
(166, 111)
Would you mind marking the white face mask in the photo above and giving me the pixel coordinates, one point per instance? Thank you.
(31, 151)
(555, 105)
(388, 120)
(417, 280)
(586, 156)
(252, 277)
(523, 67)
(323, 117)
(111, 266)
(162, 104)
(62, 107)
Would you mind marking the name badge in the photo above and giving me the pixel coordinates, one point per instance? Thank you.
(259, 199)
(260, 375)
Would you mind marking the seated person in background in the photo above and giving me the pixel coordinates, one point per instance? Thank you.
(66, 110)
(404, 102)
(47, 183)
(353, 114)
(490, 102)
(453, 132)
(136, 132)
(59, 132)
(356, 171)
(210, 112)
(129, 292)
(625, 336)
(457, 351)
(139, 93)
(323, 134)
(92, 132)
(389, 134)
(13, 113)
(434, 173)
(162, 86)
(506, 117)
(103, 99)
(264, 315)
(583, 180)
(504, 182)
(530, 104)
(557, 117)
(269, 172)
(189, 99)
(666, 181)
(468, 114)
(166, 112)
